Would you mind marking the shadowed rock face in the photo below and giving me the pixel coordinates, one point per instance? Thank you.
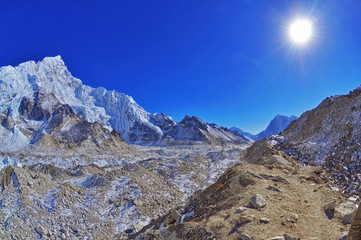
(65, 129)
(164, 122)
(188, 122)
(40, 106)
(59, 116)
(26, 107)
(143, 133)
(8, 123)
(355, 229)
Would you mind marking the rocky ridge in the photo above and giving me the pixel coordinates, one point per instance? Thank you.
(328, 136)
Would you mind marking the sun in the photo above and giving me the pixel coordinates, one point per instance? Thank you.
(300, 31)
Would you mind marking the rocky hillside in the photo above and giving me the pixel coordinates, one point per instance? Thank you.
(329, 136)
(276, 200)
(31, 92)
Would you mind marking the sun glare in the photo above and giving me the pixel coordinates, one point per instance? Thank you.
(300, 31)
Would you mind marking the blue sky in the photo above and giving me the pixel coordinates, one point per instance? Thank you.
(228, 62)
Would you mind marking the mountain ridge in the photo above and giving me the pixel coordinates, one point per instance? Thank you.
(31, 91)
(328, 136)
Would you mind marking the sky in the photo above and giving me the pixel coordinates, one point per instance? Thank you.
(229, 62)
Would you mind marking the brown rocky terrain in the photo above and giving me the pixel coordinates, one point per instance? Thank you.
(279, 199)
(77, 192)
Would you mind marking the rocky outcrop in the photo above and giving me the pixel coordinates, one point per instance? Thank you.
(355, 229)
(8, 123)
(40, 106)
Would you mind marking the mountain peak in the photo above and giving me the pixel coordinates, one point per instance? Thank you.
(277, 125)
(33, 91)
(57, 59)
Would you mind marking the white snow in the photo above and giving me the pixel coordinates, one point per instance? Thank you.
(111, 108)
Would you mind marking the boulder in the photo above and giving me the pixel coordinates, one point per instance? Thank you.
(272, 188)
(293, 217)
(346, 211)
(280, 161)
(264, 220)
(240, 209)
(138, 202)
(277, 238)
(329, 209)
(289, 237)
(173, 218)
(246, 180)
(244, 236)
(257, 201)
(41, 230)
(344, 236)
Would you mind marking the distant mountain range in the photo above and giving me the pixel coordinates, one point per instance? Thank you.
(31, 93)
(277, 125)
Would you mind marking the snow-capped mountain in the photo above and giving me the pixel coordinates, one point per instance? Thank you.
(248, 137)
(277, 125)
(31, 92)
(63, 157)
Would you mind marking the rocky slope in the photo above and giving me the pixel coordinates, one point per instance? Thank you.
(30, 92)
(279, 199)
(329, 136)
